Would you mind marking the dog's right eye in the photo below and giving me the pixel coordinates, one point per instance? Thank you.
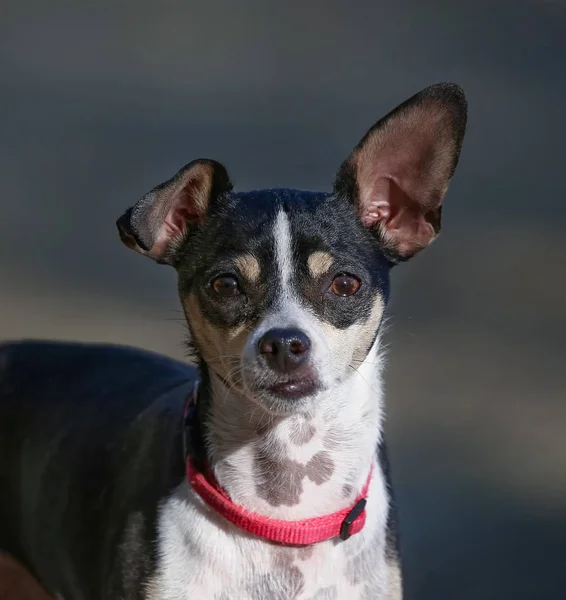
(345, 285)
(226, 286)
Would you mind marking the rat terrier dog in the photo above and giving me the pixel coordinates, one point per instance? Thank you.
(260, 471)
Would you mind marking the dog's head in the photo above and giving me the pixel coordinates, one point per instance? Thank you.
(284, 290)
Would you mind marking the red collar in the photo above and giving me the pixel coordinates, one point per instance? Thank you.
(343, 524)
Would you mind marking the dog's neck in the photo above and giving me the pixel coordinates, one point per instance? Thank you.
(302, 465)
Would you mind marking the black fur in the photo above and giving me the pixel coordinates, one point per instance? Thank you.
(90, 442)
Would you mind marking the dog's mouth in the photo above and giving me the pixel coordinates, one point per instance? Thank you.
(283, 393)
(294, 389)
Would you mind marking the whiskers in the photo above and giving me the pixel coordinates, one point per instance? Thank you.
(376, 363)
(232, 377)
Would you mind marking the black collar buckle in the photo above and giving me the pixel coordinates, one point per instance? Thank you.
(357, 510)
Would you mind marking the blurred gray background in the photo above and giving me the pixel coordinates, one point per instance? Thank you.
(101, 101)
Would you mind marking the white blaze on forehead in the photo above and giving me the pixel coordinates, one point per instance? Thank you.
(283, 249)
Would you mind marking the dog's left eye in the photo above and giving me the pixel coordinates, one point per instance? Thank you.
(345, 285)
(226, 286)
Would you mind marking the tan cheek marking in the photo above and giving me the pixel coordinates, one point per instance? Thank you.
(248, 266)
(200, 331)
(369, 328)
(221, 348)
(355, 341)
(319, 263)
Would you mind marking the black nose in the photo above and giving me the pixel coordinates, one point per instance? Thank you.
(285, 349)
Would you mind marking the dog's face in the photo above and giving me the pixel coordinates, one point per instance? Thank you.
(284, 290)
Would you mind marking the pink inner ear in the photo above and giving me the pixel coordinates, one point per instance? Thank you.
(184, 209)
(187, 206)
(402, 170)
(401, 219)
(376, 206)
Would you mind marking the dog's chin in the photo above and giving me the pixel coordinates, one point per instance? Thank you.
(288, 396)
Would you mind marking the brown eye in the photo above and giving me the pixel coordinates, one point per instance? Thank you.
(226, 286)
(345, 285)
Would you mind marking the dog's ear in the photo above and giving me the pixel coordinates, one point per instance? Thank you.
(399, 172)
(159, 223)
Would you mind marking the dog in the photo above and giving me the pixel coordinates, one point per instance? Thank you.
(258, 469)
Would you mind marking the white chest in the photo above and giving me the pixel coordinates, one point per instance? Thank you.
(202, 556)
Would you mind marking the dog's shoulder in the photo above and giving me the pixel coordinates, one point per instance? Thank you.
(87, 395)
(43, 374)
(48, 356)
(96, 423)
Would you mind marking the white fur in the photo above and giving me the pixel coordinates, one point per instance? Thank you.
(353, 406)
(283, 249)
(202, 555)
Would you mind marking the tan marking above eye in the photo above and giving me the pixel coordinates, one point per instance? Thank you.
(319, 263)
(248, 266)
(354, 342)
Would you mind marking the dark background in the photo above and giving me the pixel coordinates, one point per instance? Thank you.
(101, 101)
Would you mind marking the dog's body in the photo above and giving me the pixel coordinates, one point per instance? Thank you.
(284, 293)
(99, 431)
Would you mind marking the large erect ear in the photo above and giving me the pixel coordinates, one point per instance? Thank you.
(398, 174)
(158, 224)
